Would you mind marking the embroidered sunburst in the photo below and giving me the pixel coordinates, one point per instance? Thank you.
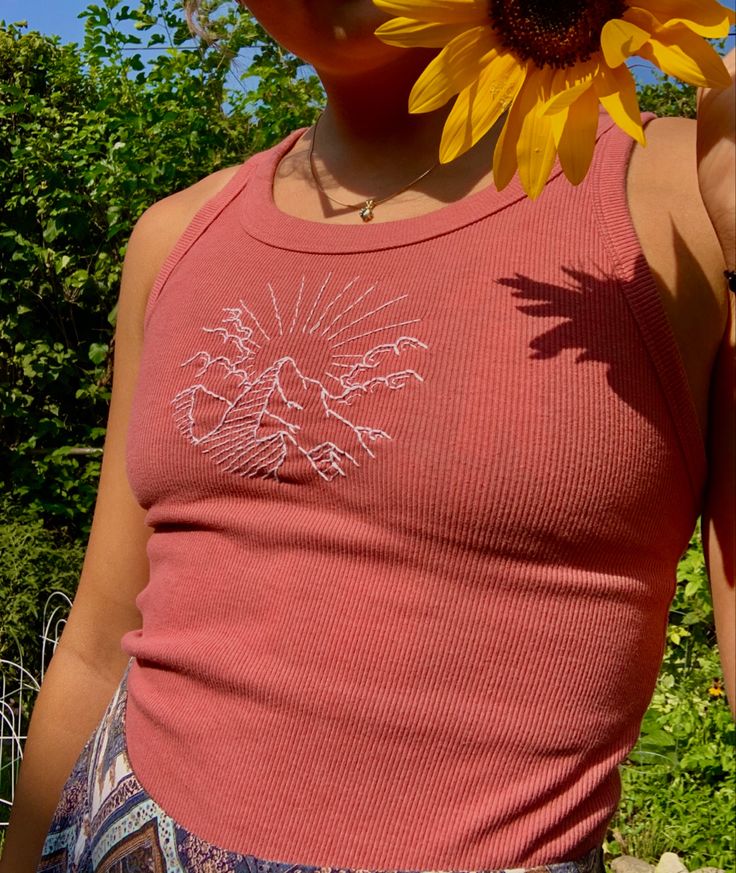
(281, 388)
(550, 63)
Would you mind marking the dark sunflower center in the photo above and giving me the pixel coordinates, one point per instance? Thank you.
(559, 33)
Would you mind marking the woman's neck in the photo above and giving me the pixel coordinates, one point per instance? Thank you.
(367, 124)
(368, 145)
(368, 140)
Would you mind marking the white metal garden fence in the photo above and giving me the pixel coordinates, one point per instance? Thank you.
(19, 684)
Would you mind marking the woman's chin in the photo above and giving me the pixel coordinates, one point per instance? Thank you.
(336, 36)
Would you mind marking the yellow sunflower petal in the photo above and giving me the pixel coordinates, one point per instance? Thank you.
(442, 11)
(704, 17)
(679, 52)
(535, 149)
(616, 91)
(568, 84)
(504, 155)
(576, 142)
(456, 67)
(480, 105)
(409, 32)
(620, 39)
(558, 121)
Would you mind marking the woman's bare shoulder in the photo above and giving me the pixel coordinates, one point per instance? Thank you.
(680, 246)
(663, 191)
(170, 216)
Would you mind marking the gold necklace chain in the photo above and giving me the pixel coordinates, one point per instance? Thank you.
(367, 206)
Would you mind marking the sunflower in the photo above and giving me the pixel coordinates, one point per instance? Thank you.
(550, 63)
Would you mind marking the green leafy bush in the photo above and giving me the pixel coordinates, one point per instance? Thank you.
(89, 137)
(34, 563)
(668, 97)
(679, 784)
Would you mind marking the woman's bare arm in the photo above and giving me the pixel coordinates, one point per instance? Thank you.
(716, 155)
(89, 663)
(718, 523)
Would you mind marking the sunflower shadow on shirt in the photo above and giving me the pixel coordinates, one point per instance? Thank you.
(594, 304)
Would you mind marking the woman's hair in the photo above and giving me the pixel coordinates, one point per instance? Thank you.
(198, 28)
(201, 25)
(191, 8)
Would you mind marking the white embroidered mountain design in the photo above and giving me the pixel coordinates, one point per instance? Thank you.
(265, 398)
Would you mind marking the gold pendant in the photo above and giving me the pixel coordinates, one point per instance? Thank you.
(366, 213)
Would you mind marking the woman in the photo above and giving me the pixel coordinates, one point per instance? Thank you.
(390, 509)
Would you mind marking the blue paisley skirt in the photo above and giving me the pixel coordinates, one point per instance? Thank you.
(105, 822)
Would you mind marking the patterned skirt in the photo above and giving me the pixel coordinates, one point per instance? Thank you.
(105, 822)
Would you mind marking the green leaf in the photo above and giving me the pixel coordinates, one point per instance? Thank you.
(98, 353)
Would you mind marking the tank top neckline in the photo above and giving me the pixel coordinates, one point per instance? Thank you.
(263, 220)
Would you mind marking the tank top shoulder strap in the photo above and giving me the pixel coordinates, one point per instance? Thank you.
(202, 219)
(610, 201)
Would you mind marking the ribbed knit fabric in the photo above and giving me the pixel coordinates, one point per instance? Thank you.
(419, 490)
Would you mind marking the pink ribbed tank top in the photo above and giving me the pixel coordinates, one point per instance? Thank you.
(418, 492)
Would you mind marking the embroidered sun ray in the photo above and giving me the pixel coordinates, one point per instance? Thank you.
(316, 302)
(276, 309)
(331, 304)
(333, 377)
(347, 309)
(367, 315)
(255, 321)
(377, 330)
(298, 303)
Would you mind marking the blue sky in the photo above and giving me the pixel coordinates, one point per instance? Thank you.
(48, 16)
(60, 17)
